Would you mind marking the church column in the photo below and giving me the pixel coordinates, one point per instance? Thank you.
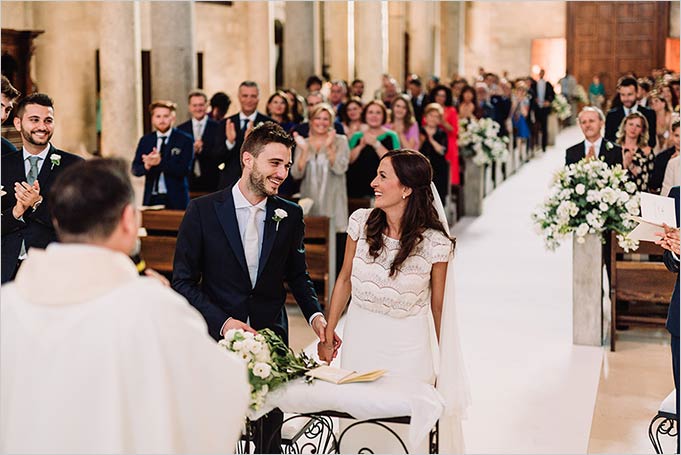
(173, 54)
(261, 48)
(337, 53)
(452, 33)
(371, 43)
(299, 44)
(397, 28)
(120, 78)
(422, 39)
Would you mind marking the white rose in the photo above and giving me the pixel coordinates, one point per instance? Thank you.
(630, 187)
(262, 370)
(582, 230)
(580, 189)
(237, 346)
(603, 206)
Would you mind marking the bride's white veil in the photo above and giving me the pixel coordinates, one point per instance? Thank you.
(452, 381)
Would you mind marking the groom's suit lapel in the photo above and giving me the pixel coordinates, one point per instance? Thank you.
(226, 214)
(269, 234)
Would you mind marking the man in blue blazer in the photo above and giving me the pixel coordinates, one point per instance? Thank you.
(670, 242)
(204, 133)
(164, 157)
(27, 175)
(236, 247)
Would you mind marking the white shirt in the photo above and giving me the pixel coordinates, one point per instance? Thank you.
(242, 117)
(628, 111)
(672, 175)
(541, 91)
(597, 146)
(27, 163)
(243, 211)
(199, 126)
(162, 189)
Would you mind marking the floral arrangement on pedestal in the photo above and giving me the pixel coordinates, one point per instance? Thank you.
(588, 197)
(270, 362)
(480, 139)
(561, 107)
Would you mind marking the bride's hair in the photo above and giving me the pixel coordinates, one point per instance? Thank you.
(413, 171)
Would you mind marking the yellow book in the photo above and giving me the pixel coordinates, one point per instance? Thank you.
(340, 376)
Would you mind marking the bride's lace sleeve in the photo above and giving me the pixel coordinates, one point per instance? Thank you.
(441, 248)
(357, 223)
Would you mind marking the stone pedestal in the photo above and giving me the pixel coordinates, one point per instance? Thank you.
(552, 128)
(489, 181)
(587, 286)
(498, 173)
(474, 188)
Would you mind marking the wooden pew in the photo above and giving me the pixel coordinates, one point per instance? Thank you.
(158, 247)
(639, 282)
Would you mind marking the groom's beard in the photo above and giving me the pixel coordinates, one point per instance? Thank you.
(257, 182)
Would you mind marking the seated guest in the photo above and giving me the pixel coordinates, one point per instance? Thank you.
(27, 176)
(367, 148)
(351, 117)
(164, 158)
(219, 105)
(637, 155)
(97, 359)
(278, 110)
(9, 95)
(663, 159)
(594, 146)
(204, 132)
(433, 144)
(320, 162)
(403, 123)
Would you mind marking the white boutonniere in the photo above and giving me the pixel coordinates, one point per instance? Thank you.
(175, 151)
(221, 166)
(55, 159)
(279, 215)
(609, 146)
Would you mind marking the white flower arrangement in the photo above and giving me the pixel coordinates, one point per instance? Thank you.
(270, 362)
(480, 139)
(55, 159)
(588, 197)
(279, 215)
(561, 107)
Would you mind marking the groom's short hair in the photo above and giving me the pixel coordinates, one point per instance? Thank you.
(263, 134)
(88, 198)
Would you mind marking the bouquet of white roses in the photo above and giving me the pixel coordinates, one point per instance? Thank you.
(561, 107)
(588, 197)
(479, 139)
(270, 362)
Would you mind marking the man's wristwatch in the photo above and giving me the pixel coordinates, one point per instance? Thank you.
(37, 203)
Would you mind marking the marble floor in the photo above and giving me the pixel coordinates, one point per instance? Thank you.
(533, 391)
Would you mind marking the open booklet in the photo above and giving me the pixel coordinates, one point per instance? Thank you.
(340, 376)
(655, 210)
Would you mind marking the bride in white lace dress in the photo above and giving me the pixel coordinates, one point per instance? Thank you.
(395, 270)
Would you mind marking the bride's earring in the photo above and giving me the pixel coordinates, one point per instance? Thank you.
(404, 197)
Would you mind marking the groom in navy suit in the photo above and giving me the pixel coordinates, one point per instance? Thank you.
(235, 248)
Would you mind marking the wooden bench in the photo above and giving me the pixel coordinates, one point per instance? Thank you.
(645, 281)
(158, 247)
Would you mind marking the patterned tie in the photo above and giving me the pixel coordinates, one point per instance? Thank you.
(591, 155)
(252, 244)
(32, 175)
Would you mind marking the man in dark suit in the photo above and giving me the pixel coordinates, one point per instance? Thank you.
(204, 132)
(164, 157)
(670, 242)
(627, 88)
(591, 121)
(27, 175)
(234, 129)
(418, 97)
(542, 95)
(236, 247)
(9, 95)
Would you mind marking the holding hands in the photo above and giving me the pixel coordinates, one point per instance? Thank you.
(27, 196)
(152, 159)
(329, 343)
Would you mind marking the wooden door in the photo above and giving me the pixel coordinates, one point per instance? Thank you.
(612, 38)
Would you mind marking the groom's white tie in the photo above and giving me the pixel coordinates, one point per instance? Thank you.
(252, 244)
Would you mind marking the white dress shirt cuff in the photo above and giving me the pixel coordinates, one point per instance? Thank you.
(230, 145)
(314, 316)
(222, 329)
(676, 258)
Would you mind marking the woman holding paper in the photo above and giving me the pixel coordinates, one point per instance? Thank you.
(398, 270)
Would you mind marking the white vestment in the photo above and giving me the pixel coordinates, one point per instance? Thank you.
(95, 359)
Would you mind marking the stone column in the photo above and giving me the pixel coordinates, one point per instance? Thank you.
(336, 40)
(587, 289)
(371, 44)
(261, 55)
(299, 44)
(173, 54)
(452, 33)
(120, 78)
(422, 38)
(397, 27)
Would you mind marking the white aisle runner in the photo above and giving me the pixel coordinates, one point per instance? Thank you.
(533, 391)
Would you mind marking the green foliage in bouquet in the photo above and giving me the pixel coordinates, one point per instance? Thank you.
(269, 361)
(480, 139)
(588, 197)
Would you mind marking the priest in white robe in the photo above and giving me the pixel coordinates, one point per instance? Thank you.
(95, 358)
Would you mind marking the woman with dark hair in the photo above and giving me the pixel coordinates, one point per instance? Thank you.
(396, 266)
(367, 147)
(450, 124)
(468, 103)
(278, 110)
(295, 105)
(351, 116)
(433, 145)
(638, 158)
(403, 123)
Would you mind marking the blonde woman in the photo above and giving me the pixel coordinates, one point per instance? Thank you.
(663, 116)
(638, 157)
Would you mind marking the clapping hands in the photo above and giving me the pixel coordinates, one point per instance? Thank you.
(26, 196)
(152, 159)
(669, 239)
